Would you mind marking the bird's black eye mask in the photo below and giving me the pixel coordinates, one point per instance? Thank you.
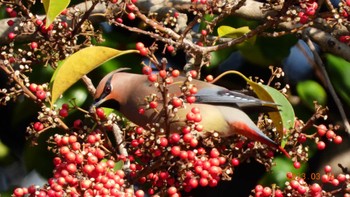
(111, 103)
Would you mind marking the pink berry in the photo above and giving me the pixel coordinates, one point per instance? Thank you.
(11, 35)
(296, 165)
(338, 139)
(321, 145)
(321, 129)
(327, 169)
(33, 45)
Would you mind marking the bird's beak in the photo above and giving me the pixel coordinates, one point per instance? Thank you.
(96, 104)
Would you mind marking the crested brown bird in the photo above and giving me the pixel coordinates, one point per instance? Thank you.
(221, 109)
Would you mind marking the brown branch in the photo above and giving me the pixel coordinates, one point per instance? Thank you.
(329, 85)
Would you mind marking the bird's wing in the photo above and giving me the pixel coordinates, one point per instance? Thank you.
(231, 98)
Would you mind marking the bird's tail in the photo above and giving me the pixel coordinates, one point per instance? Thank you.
(283, 151)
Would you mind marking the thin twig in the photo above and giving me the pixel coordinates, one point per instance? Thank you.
(321, 67)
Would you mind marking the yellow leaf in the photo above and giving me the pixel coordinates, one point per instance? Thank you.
(80, 64)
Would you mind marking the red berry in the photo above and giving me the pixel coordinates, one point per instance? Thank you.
(338, 139)
(193, 90)
(170, 48)
(131, 16)
(204, 32)
(315, 188)
(63, 112)
(39, 22)
(139, 130)
(172, 190)
(141, 111)
(310, 11)
(267, 191)
(330, 134)
(188, 137)
(303, 17)
(119, 20)
(199, 127)
(321, 130)
(190, 99)
(11, 35)
(302, 138)
(152, 77)
(175, 73)
(321, 145)
(77, 124)
(193, 183)
(341, 177)
(139, 45)
(176, 102)
(10, 22)
(296, 165)
(294, 184)
(33, 45)
(41, 94)
(162, 73)
(213, 183)
(259, 188)
(131, 7)
(190, 116)
(235, 162)
(153, 104)
(147, 70)
(335, 182)
(143, 51)
(214, 153)
(183, 154)
(139, 193)
(302, 190)
(32, 87)
(100, 113)
(193, 73)
(186, 129)
(194, 142)
(325, 178)
(203, 182)
(38, 126)
(278, 193)
(175, 138)
(18, 192)
(175, 150)
(289, 175)
(163, 142)
(327, 169)
(209, 78)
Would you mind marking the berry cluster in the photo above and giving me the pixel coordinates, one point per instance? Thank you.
(297, 186)
(82, 167)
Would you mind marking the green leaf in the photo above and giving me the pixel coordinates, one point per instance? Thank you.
(284, 118)
(53, 8)
(80, 64)
(339, 72)
(118, 165)
(310, 91)
(279, 171)
(231, 32)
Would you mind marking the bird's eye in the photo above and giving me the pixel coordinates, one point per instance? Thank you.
(107, 89)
